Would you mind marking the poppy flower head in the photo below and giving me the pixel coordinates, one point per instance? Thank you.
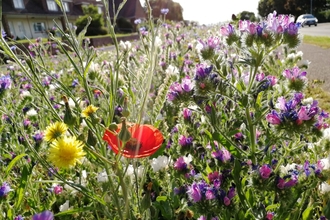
(145, 140)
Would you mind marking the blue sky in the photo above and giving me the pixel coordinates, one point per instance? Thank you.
(214, 11)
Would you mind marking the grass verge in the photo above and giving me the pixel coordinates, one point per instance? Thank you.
(321, 41)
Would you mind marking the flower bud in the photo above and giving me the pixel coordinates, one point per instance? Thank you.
(124, 135)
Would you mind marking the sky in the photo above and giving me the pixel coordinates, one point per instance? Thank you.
(214, 11)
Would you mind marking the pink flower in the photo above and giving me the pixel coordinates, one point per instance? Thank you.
(265, 171)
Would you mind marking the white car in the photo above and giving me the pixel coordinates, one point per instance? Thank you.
(307, 19)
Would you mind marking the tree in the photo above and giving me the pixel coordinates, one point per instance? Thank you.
(293, 7)
(175, 9)
(96, 26)
(247, 15)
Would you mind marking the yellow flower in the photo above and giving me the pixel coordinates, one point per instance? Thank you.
(88, 111)
(55, 130)
(65, 152)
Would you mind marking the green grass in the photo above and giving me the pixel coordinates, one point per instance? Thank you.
(314, 89)
(320, 41)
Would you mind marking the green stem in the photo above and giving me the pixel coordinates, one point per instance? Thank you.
(252, 130)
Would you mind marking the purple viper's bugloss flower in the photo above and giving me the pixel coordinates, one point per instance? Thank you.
(265, 171)
(194, 192)
(4, 189)
(180, 164)
(222, 155)
(227, 30)
(164, 11)
(46, 215)
(187, 84)
(273, 118)
(187, 114)
(19, 217)
(5, 82)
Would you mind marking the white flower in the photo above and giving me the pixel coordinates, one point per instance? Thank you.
(159, 163)
(326, 133)
(65, 206)
(125, 45)
(285, 169)
(84, 174)
(158, 41)
(188, 159)
(32, 112)
(25, 93)
(172, 70)
(130, 172)
(102, 177)
(307, 101)
(324, 187)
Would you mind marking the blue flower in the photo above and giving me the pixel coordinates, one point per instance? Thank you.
(4, 189)
(164, 11)
(46, 215)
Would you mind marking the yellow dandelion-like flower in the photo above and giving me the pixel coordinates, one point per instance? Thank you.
(65, 152)
(55, 130)
(88, 111)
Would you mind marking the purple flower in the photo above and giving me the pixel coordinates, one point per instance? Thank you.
(57, 189)
(226, 201)
(202, 217)
(137, 21)
(5, 82)
(194, 192)
(306, 168)
(37, 137)
(227, 30)
(19, 217)
(180, 164)
(265, 171)
(164, 11)
(292, 29)
(75, 82)
(269, 215)
(187, 114)
(4, 189)
(223, 155)
(209, 194)
(187, 84)
(273, 118)
(185, 141)
(202, 71)
(295, 74)
(46, 215)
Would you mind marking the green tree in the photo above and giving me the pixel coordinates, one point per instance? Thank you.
(247, 15)
(175, 9)
(293, 7)
(96, 26)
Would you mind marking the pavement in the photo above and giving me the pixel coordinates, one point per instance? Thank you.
(319, 68)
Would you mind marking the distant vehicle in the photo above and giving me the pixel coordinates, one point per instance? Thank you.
(307, 19)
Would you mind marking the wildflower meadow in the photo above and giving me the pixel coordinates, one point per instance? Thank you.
(186, 122)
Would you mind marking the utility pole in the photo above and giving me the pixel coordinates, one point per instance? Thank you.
(311, 7)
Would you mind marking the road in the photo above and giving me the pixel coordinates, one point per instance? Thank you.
(322, 29)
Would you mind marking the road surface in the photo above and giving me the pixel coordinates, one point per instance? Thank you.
(322, 29)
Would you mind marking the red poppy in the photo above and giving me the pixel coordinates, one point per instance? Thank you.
(145, 140)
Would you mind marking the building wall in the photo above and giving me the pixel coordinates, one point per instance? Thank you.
(33, 27)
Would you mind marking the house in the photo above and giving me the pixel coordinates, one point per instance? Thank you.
(131, 11)
(34, 18)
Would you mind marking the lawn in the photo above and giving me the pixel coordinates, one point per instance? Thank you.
(321, 41)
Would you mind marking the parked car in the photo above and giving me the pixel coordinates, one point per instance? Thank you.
(307, 19)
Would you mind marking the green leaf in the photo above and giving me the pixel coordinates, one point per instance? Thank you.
(272, 207)
(13, 162)
(249, 196)
(307, 214)
(161, 198)
(21, 189)
(73, 211)
(10, 214)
